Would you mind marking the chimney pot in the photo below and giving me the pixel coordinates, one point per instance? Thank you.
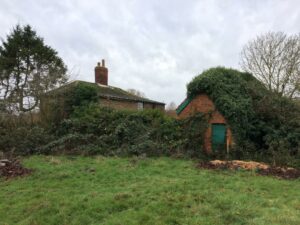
(101, 73)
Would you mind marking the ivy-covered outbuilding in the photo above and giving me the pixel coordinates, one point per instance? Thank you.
(242, 114)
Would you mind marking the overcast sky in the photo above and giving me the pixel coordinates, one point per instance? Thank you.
(156, 47)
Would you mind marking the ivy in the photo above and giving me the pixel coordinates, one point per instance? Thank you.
(255, 115)
(92, 129)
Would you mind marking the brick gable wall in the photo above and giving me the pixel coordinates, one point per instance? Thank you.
(202, 103)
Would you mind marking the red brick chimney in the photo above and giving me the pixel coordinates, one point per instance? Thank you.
(101, 73)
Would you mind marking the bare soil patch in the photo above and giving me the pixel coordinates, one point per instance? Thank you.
(261, 168)
(12, 168)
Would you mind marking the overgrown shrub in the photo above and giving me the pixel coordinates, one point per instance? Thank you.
(95, 130)
(19, 137)
(60, 103)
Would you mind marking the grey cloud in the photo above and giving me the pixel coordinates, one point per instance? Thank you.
(154, 46)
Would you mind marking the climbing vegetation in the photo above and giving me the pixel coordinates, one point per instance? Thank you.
(264, 124)
(91, 129)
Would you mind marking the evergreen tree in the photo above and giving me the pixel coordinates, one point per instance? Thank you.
(28, 68)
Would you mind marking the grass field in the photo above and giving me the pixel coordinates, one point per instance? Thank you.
(83, 190)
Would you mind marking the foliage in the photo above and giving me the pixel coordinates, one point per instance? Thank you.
(82, 95)
(59, 104)
(194, 128)
(256, 116)
(92, 129)
(137, 190)
(20, 137)
(28, 68)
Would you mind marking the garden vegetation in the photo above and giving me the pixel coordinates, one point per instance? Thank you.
(77, 124)
(265, 126)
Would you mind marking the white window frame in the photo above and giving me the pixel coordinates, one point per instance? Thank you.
(140, 105)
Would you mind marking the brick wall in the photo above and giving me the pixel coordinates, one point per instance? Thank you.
(131, 105)
(154, 106)
(202, 103)
(118, 104)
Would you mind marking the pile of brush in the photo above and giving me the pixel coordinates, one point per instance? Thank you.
(260, 168)
(10, 168)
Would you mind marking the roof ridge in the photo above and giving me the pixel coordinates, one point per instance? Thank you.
(115, 92)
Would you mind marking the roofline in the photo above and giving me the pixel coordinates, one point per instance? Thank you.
(63, 85)
(183, 105)
(130, 99)
(142, 99)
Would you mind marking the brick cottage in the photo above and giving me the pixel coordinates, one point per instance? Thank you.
(108, 96)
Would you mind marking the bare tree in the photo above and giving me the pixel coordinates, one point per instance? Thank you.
(136, 92)
(274, 59)
(171, 106)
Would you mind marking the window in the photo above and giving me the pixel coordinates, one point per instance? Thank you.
(140, 105)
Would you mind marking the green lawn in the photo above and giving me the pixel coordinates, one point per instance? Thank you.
(83, 190)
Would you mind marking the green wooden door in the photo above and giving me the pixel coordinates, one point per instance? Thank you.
(218, 136)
